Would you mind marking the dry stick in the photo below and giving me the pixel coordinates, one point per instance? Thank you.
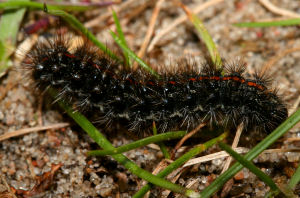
(30, 130)
(40, 111)
(295, 106)
(8, 187)
(166, 193)
(8, 87)
(31, 168)
(150, 30)
(280, 150)
(293, 139)
(187, 136)
(227, 187)
(174, 173)
(229, 183)
(161, 165)
(189, 185)
(180, 20)
(277, 10)
(96, 21)
(240, 150)
(213, 156)
(234, 146)
(210, 157)
(136, 12)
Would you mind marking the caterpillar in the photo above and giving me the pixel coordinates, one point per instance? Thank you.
(180, 99)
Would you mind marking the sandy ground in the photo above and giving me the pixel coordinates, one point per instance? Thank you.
(26, 156)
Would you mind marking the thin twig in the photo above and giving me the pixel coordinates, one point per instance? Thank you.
(234, 145)
(293, 139)
(136, 12)
(180, 20)
(161, 165)
(31, 167)
(8, 187)
(277, 10)
(96, 21)
(240, 150)
(150, 30)
(32, 129)
(213, 156)
(187, 136)
(40, 111)
(166, 193)
(295, 106)
(227, 187)
(189, 185)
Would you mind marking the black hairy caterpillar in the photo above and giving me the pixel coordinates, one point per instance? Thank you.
(178, 100)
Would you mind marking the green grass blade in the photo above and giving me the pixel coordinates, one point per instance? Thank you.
(164, 150)
(121, 36)
(2, 51)
(139, 143)
(212, 49)
(205, 36)
(288, 22)
(8, 34)
(248, 164)
(133, 55)
(180, 161)
(295, 178)
(161, 144)
(9, 30)
(3, 58)
(40, 6)
(270, 139)
(76, 24)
